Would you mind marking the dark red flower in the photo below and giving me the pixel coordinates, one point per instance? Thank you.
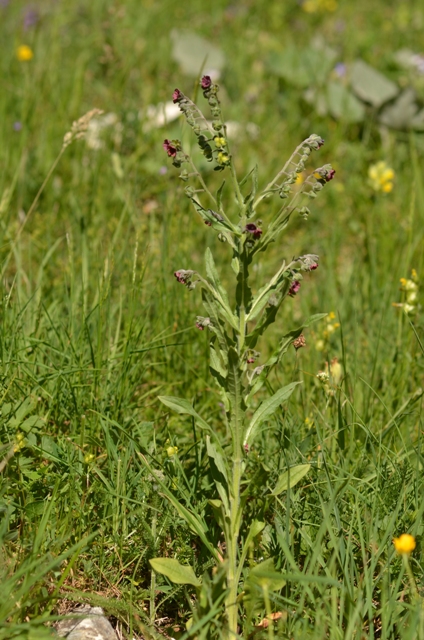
(294, 288)
(206, 82)
(200, 326)
(330, 175)
(253, 229)
(313, 266)
(180, 275)
(170, 148)
(176, 96)
(208, 223)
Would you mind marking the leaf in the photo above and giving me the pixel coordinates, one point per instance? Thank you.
(176, 572)
(235, 389)
(289, 478)
(190, 50)
(264, 575)
(218, 290)
(370, 85)
(264, 294)
(266, 409)
(183, 407)
(303, 67)
(342, 104)
(402, 113)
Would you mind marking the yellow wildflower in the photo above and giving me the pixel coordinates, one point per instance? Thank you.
(89, 457)
(381, 177)
(19, 443)
(405, 544)
(172, 451)
(24, 53)
(220, 142)
(223, 158)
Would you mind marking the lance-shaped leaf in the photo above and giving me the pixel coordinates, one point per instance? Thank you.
(194, 521)
(183, 407)
(289, 478)
(264, 294)
(264, 576)
(235, 389)
(219, 472)
(266, 409)
(217, 220)
(176, 572)
(255, 528)
(218, 291)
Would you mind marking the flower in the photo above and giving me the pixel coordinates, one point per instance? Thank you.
(223, 158)
(206, 82)
(410, 289)
(176, 96)
(220, 141)
(24, 53)
(294, 288)
(381, 177)
(89, 457)
(19, 443)
(405, 544)
(17, 126)
(183, 275)
(299, 342)
(172, 451)
(170, 148)
(254, 230)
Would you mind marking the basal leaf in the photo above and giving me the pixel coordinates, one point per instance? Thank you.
(190, 50)
(370, 85)
(176, 572)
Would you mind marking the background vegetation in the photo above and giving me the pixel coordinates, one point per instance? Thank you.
(94, 325)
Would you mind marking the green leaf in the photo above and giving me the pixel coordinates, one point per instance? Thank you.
(289, 478)
(218, 291)
(342, 104)
(235, 389)
(370, 85)
(183, 407)
(190, 50)
(266, 409)
(264, 294)
(264, 575)
(403, 113)
(176, 572)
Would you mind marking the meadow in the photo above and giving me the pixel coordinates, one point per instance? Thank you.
(94, 326)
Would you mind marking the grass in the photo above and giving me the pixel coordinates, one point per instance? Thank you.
(94, 327)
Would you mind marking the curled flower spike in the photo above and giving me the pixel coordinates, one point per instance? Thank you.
(184, 275)
(294, 288)
(254, 230)
(324, 174)
(405, 544)
(206, 82)
(203, 323)
(176, 96)
(170, 148)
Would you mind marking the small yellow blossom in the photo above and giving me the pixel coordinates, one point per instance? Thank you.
(405, 544)
(410, 289)
(336, 371)
(89, 457)
(24, 53)
(381, 177)
(223, 158)
(319, 345)
(19, 443)
(172, 451)
(220, 142)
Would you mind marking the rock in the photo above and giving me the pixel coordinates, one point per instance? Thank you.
(87, 623)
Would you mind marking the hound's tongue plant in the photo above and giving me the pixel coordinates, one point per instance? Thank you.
(234, 333)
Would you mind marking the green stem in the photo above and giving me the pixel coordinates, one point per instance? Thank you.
(411, 577)
(277, 177)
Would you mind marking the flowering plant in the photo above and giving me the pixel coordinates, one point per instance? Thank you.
(235, 331)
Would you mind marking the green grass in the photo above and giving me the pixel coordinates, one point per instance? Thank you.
(94, 326)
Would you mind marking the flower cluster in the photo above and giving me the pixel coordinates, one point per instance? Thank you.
(331, 376)
(19, 442)
(207, 135)
(409, 287)
(184, 276)
(381, 177)
(322, 339)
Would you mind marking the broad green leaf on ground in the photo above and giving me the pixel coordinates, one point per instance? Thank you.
(266, 409)
(176, 572)
(403, 113)
(302, 67)
(289, 478)
(342, 104)
(191, 50)
(370, 85)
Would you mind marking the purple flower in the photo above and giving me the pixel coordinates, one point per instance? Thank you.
(17, 125)
(254, 230)
(176, 96)
(340, 69)
(313, 266)
(294, 288)
(170, 148)
(163, 170)
(206, 82)
(30, 18)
